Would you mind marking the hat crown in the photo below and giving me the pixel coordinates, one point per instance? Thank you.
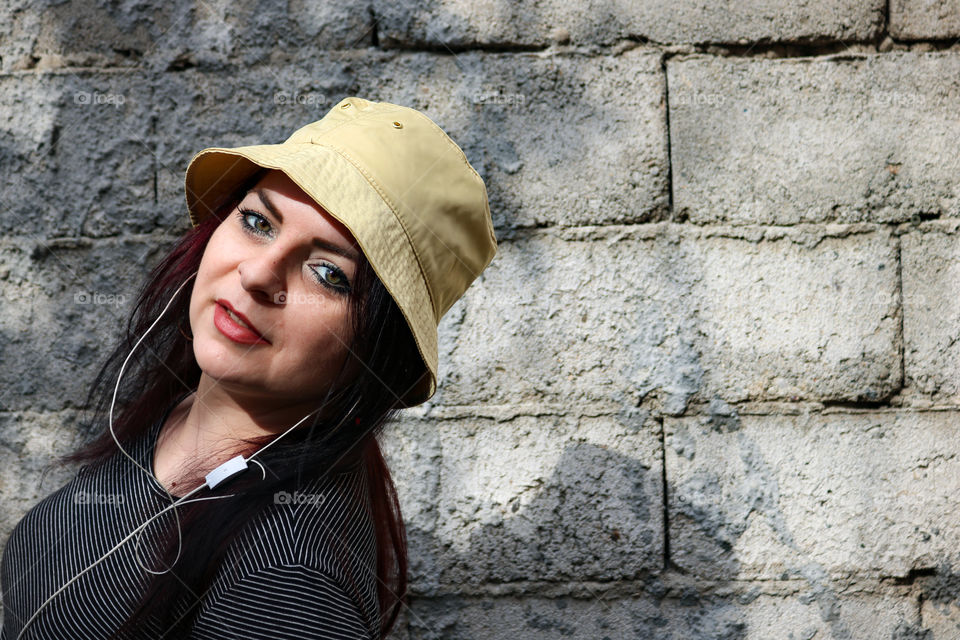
(425, 179)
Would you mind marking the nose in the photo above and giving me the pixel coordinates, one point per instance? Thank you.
(262, 275)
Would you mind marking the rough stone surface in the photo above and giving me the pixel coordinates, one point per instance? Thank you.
(29, 445)
(707, 388)
(806, 615)
(87, 33)
(601, 315)
(532, 498)
(844, 139)
(940, 608)
(602, 114)
(584, 321)
(598, 155)
(116, 144)
(77, 154)
(813, 496)
(414, 453)
(61, 315)
(924, 20)
(460, 23)
(931, 268)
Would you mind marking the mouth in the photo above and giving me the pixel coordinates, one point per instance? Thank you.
(235, 325)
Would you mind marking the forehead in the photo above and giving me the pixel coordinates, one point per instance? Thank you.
(285, 195)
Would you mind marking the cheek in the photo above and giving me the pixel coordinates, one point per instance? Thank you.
(208, 270)
(220, 244)
(201, 284)
(325, 336)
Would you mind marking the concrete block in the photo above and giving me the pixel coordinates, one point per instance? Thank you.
(64, 304)
(84, 33)
(458, 23)
(692, 615)
(535, 616)
(940, 603)
(413, 452)
(673, 313)
(77, 154)
(558, 140)
(839, 139)
(19, 30)
(30, 444)
(548, 498)
(598, 315)
(813, 496)
(88, 33)
(793, 317)
(503, 618)
(930, 262)
(820, 610)
(924, 20)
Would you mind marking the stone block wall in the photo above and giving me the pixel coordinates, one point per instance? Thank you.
(708, 388)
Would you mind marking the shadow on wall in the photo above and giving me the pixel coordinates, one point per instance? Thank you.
(582, 559)
(582, 556)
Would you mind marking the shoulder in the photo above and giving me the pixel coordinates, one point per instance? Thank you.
(317, 538)
(316, 518)
(284, 601)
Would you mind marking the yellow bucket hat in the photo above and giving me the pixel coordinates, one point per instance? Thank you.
(404, 189)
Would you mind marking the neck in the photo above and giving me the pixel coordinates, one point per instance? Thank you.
(214, 418)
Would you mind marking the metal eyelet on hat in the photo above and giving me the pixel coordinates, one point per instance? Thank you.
(397, 125)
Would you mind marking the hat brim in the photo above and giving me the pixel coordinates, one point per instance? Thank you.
(337, 185)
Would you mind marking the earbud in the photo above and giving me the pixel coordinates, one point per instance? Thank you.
(227, 470)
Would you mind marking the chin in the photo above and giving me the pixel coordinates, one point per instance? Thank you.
(218, 360)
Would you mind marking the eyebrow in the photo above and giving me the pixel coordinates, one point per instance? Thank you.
(317, 242)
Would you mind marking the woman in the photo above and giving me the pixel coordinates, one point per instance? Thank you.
(240, 490)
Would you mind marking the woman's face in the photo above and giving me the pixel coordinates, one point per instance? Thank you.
(270, 310)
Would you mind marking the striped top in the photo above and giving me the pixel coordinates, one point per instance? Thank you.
(305, 568)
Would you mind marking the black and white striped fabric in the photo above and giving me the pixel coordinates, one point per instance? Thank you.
(305, 569)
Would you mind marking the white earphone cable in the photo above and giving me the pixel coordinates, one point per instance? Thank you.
(222, 473)
(117, 546)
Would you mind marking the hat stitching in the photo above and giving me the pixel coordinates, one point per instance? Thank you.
(365, 113)
(393, 208)
(421, 348)
(476, 174)
(417, 338)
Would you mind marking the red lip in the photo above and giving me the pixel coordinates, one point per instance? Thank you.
(234, 331)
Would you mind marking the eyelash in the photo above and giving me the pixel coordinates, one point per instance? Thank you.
(248, 228)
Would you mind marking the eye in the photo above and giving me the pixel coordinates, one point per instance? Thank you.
(253, 222)
(331, 276)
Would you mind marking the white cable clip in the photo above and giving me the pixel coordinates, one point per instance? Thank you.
(227, 470)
